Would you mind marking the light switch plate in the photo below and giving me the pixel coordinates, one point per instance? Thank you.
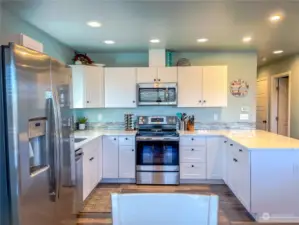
(245, 109)
(244, 116)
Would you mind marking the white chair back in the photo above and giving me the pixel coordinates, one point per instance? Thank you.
(164, 209)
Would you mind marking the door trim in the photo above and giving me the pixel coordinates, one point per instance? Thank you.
(273, 102)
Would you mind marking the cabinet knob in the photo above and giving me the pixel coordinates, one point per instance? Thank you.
(87, 101)
(132, 150)
(240, 150)
(199, 101)
(134, 101)
(192, 149)
(225, 141)
(155, 80)
(114, 139)
(192, 165)
(192, 139)
(126, 139)
(204, 101)
(231, 145)
(235, 160)
(159, 79)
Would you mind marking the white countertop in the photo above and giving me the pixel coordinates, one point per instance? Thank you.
(251, 139)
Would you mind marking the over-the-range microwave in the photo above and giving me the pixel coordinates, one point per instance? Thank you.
(157, 94)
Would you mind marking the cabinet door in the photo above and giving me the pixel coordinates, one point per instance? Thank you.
(100, 159)
(193, 171)
(94, 86)
(190, 86)
(86, 174)
(126, 162)
(214, 86)
(168, 74)
(110, 157)
(224, 157)
(120, 87)
(214, 158)
(78, 87)
(146, 74)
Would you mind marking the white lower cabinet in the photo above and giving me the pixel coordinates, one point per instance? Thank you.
(127, 162)
(91, 164)
(215, 162)
(193, 170)
(193, 158)
(110, 157)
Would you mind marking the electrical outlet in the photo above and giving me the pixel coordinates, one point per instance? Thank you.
(244, 117)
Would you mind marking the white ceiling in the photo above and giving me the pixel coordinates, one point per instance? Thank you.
(176, 23)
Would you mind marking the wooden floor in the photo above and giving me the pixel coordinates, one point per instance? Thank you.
(97, 210)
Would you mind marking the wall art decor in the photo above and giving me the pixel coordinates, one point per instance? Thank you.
(239, 88)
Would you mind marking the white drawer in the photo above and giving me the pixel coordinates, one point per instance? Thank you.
(126, 140)
(193, 154)
(193, 171)
(192, 141)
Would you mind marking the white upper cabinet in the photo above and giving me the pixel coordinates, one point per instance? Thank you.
(204, 86)
(167, 74)
(157, 74)
(214, 86)
(189, 86)
(120, 87)
(146, 74)
(87, 86)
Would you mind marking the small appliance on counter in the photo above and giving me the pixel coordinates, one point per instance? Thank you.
(157, 144)
(185, 122)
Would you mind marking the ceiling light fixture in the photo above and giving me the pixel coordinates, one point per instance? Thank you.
(247, 39)
(275, 18)
(155, 41)
(94, 24)
(277, 51)
(109, 42)
(202, 40)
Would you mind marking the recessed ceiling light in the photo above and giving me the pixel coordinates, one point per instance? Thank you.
(155, 41)
(275, 18)
(246, 39)
(94, 24)
(277, 51)
(109, 42)
(202, 40)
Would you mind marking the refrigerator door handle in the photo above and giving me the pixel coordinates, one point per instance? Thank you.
(59, 140)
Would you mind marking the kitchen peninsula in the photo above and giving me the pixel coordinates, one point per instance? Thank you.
(261, 168)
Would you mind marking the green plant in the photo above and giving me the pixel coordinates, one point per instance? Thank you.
(82, 120)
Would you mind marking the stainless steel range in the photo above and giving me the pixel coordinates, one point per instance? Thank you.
(157, 144)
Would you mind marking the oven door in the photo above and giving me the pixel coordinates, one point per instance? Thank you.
(157, 156)
(162, 94)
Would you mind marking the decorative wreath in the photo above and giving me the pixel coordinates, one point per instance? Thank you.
(83, 58)
(239, 88)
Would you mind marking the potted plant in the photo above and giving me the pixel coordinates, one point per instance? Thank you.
(82, 122)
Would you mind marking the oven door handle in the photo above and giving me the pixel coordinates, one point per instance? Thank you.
(157, 139)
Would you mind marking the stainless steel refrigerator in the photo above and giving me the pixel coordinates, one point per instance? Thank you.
(37, 153)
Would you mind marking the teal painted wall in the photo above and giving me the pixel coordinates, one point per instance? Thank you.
(241, 65)
(11, 24)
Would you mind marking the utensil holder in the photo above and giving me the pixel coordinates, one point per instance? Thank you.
(182, 125)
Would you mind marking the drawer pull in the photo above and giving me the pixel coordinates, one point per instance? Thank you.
(114, 139)
(231, 145)
(132, 150)
(192, 149)
(192, 139)
(225, 141)
(192, 165)
(235, 160)
(126, 139)
(240, 150)
(91, 159)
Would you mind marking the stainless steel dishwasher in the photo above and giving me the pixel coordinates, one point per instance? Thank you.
(79, 179)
